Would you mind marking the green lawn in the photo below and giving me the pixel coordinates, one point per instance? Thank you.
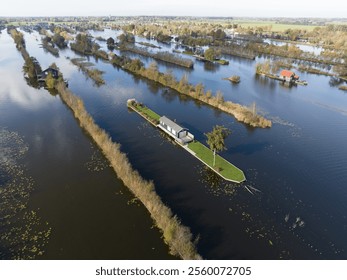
(148, 112)
(226, 169)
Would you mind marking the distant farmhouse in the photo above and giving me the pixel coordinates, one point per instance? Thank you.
(288, 76)
(43, 75)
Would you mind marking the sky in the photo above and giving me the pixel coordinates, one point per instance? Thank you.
(222, 8)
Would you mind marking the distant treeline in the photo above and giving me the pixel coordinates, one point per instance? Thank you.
(163, 56)
(237, 50)
(17, 36)
(83, 44)
(241, 113)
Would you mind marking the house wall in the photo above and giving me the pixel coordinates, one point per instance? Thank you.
(182, 134)
(169, 129)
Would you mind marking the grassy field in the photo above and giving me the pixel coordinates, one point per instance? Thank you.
(276, 27)
(225, 168)
(147, 112)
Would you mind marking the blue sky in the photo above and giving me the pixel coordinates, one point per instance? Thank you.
(252, 8)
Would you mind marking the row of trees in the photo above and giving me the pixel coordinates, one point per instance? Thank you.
(31, 67)
(207, 33)
(212, 54)
(237, 50)
(84, 44)
(164, 56)
(17, 36)
(241, 113)
(48, 44)
(267, 67)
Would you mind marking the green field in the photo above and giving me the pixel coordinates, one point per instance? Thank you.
(276, 27)
(147, 112)
(223, 167)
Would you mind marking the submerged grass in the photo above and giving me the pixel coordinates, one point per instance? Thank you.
(94, 74)
(177, 236)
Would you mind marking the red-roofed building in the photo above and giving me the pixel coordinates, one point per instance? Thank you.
(288, 76)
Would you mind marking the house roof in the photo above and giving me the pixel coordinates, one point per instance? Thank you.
(53, 71)
(287, 73)
(170, 123)
(49, 69)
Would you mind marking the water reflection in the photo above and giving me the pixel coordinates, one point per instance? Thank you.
(15, 90)
(286, 169)
(335, 81)
(211, 67)
(169, 95)
(248, 149)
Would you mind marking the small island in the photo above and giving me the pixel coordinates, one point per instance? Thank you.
(185, 139)
(234, 79)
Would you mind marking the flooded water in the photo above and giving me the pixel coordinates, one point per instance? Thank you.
(304, 47)
(293, 204)
(81, 208)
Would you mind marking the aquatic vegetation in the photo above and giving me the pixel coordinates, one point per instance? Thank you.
(23, 235)
(94, 74)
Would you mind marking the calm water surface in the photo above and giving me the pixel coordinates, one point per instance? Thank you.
(91, 213)
(296, 171)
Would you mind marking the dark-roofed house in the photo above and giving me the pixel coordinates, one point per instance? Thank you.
(44, 73)
(179, 133)
(288, 76)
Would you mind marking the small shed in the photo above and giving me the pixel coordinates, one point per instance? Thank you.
(288, 76)
(179, 133)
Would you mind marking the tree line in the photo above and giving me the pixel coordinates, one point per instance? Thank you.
(163, 56)
(182, 86)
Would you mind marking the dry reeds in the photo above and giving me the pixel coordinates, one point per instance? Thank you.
(177, 236)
